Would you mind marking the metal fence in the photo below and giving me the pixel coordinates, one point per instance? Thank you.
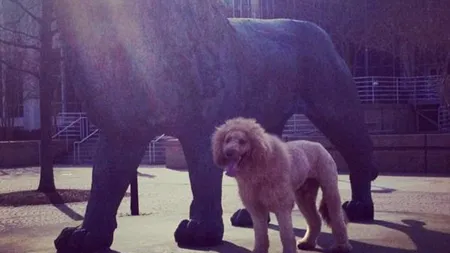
(444, 118)
(415, 91)
(399, 90)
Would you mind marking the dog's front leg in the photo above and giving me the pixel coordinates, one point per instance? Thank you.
(260, 228)
(287, 235)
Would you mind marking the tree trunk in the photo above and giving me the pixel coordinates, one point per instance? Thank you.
(46, 182)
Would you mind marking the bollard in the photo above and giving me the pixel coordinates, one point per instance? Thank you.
(134, 203)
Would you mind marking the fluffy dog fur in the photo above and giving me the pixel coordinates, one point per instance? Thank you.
(272, 175)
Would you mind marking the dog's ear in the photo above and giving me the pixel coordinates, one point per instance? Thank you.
(217, 140)
(260, 147)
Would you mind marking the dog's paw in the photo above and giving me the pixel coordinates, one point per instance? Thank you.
(358, 211)
(242, 218)
(193, 233)
(77, 239)
(305, 245)
(341, 248)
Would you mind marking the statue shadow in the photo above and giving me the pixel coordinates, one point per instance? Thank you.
(56, 201)
(225, 247)
(140, 174)
(375, 188)
(381, 189)
(424, 239)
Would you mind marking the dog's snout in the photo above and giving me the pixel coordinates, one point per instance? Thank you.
(229, 153)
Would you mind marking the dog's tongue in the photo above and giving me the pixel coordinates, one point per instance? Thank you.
(231, 169)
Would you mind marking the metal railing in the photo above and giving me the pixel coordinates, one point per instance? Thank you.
(398, 90)
(75, 125)
(66, 135)
(386, 90)
(444, 118)
(77, 144)
(152, 148)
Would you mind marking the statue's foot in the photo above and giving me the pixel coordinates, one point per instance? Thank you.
(79, 240)
(373, 175)
(242, 218)
(193, 233)
(358, 211)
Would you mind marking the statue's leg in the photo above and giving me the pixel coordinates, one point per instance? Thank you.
(205, 226)
(332, 104)
(340, 118)
(116, 160)
(242, 218)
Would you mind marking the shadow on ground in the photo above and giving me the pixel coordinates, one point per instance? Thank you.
(33, 197)
(375, 188)
(58, 202)
(225, 247)
(426, 241)
(145, 175)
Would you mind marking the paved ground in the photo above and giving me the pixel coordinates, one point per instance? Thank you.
(412, 215)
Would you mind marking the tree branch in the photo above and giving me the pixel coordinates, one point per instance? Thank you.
(19, 32)
(19, 69)
(14, 44)
(18, 3)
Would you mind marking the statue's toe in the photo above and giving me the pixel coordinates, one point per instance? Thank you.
(242, 218)
(77, 239)
(358, 211)
(194, 233)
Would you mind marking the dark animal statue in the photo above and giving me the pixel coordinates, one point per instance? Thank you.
(180, 67)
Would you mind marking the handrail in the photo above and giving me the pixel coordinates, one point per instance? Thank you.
(159, 138)
(444, 118)
(87, 137)
(76, 145)
(152, 155)
(420, 113)
(67, 127)
(413, 90)
(397, 77)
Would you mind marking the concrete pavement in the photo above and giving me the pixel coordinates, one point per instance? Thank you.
(412, 215)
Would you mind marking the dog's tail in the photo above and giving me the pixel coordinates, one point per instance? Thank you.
(325, 213)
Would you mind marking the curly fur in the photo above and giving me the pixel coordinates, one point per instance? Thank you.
(272, 175)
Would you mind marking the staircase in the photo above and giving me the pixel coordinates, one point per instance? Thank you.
(84, 150)
(298, 126)
(81, 136)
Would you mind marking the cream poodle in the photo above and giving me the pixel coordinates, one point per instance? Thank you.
(272, 175)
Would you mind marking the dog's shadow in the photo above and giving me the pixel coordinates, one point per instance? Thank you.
(425, 240)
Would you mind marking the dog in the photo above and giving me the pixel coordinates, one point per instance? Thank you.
(272, 175)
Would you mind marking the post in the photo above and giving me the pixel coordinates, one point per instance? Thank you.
(63, 80)
(366, 50)
(255, 7)
(134, 203)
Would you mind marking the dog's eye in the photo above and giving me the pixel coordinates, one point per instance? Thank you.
(227, 140)
(242, 141)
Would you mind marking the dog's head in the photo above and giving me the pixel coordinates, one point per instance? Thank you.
(239, 144)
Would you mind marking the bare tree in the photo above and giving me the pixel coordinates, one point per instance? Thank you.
(39, 14)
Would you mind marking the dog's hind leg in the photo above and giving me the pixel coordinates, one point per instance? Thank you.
(260, 228)
(306, 201)
(333, 213)
(287, 235)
